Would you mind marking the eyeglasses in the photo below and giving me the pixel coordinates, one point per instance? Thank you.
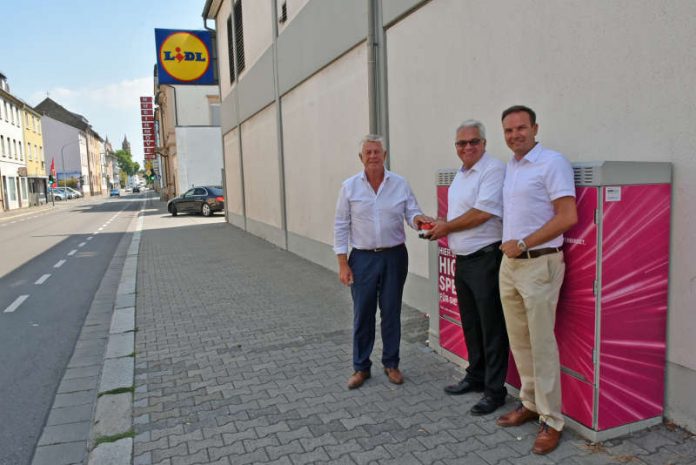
(463, 143)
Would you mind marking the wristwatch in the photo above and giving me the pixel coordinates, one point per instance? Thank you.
(522, 245)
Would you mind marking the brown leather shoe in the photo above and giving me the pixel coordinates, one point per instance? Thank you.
(517, 417)
(547, 440)
(394, 375)
(357, 379)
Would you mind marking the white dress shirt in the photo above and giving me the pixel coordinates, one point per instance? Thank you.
(531, 185)
(480, 187)
(369, 220)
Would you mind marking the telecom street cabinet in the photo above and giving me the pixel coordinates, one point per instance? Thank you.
(612, 313)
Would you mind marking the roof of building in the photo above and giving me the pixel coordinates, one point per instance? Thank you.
(51, 108)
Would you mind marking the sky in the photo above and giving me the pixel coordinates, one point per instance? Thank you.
(94, 58)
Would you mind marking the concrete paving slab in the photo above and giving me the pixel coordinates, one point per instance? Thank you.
(72, 414)
(125, 300)
(70, 432)
(120, 345)
(123, 320)
(113, 414)
(117, 373)
(78, 384)
(114, 453)
(61, 454)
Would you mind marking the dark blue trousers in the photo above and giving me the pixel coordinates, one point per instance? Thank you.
(378, 278)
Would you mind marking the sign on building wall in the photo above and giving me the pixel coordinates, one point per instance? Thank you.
(148, 122)
(184, 57)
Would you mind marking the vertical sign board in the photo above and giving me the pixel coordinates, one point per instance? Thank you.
(148, 123)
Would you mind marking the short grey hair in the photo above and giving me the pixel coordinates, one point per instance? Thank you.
(472, 123)
(373, 138)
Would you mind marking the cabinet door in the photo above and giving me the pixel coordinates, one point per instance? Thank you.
(576, 311)
(635, 272)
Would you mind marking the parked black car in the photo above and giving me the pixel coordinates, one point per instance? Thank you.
(205, 200)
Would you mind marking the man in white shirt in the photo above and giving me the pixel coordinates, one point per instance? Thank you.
(539, 206)
(370, 214)
(474, 229)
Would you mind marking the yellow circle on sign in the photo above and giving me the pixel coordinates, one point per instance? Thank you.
(184, 56)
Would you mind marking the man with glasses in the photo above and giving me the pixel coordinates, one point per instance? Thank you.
(370, 214)
(474, 230)
(539, 206)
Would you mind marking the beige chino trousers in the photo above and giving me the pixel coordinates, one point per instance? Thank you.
(529, 290)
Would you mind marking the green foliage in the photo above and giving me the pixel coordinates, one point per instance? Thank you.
(126, 163)
(106, 439)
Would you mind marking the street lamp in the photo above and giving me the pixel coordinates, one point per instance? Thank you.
(62, 160)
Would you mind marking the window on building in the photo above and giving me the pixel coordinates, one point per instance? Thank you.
(283, 13)
(21, 156)
(2, 146)
(239, 36)
(23, 186)
(13, 188)
(235, 41)
(7, 112)
(2, 107)
(14, 145)
(230, 48)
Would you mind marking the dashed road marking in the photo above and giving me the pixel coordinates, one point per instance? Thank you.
(72, 252)
(81, 244)
(59, 264)
(42, 279)
(89, 238)
(14, 305)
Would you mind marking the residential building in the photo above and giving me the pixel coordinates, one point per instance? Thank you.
(71, 142)
(189, 140)
(95, 151)
(301, 81)
(13, 169)
(37, 178)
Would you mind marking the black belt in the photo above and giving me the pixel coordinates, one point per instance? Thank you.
(539, 252)
(488, 249)
(380, 249)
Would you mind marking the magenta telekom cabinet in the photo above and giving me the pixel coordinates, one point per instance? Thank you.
(612, 312)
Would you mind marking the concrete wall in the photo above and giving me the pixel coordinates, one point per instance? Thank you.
(192, 105)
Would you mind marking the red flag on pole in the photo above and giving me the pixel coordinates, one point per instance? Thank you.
(54, 181)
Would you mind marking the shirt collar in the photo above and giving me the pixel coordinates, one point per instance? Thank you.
(533, 155)
(387, 175)
(478, 165)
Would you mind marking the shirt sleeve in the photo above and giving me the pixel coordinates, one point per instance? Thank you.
(342, 222)
(412, 208)
(489, 198)
(560, 180)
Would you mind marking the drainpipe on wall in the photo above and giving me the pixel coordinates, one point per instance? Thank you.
(279, 126)
(377, 72)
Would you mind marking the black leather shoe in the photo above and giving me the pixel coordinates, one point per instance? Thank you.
(487, 405)
(463, 387)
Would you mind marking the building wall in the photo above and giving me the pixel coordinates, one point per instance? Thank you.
(321, 145)
(609, 80)
(199, 151)
(13, 188)
(261, 174)
(33, 144)
(234, 188)
(193, 105)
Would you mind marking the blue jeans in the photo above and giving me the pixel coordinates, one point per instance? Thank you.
(378, 277)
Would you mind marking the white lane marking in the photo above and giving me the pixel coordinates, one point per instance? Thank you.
(72, 252)
(59, 264)
(42, 279)
(100, 228)
(14, 305)
(89, 238)
(81, 244)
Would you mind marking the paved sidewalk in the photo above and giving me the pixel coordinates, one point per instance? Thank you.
(243, 351)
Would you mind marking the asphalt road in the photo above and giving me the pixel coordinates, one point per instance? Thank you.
(51, 264)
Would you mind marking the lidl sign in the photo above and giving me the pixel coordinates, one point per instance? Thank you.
(184, 57)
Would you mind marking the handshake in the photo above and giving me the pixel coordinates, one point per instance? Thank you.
(430, 228)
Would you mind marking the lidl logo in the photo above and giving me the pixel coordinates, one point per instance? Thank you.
(184, 57)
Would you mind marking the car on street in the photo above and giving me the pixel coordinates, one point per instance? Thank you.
(136, 189)
(205, 200)
(56, 194)
(76, 194)
(115, 193)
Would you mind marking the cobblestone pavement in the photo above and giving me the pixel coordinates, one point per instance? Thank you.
(243, 351)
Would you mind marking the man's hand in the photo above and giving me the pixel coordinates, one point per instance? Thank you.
(345, 274)
(510, 248)
(440, 229)
(419, 220)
